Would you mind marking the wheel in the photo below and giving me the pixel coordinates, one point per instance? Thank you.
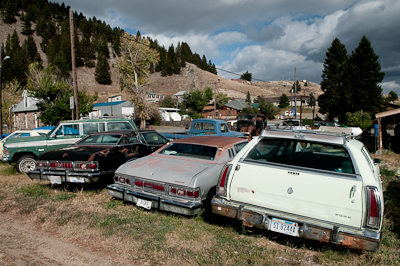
(26, 163)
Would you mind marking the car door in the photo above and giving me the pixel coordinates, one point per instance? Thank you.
(276, 180)
(153, 140)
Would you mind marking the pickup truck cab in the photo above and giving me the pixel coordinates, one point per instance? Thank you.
(313, 185)
(25, 151)
(209, 127)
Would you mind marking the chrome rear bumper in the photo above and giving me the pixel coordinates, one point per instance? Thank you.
(159, 202)
(356, 239)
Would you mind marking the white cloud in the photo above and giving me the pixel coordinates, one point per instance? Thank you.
(269, 64)
(390, 86)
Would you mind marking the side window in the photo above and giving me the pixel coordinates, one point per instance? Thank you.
(118, 126)
(71, 129)
(89, 128)
(102, 127)
(14, 136)
(204, 126)
(239, 146)
(154, 138)
(224, 129)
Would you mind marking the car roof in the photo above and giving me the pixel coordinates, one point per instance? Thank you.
(122, 132)
(319, 136)
(217, 141)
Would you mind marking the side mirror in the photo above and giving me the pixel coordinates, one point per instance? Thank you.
(376, 160)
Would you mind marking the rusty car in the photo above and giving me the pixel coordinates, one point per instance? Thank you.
(181, 177)
(96, 157)
(313, 185)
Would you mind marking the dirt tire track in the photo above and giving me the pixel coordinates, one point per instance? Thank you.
(22, 244)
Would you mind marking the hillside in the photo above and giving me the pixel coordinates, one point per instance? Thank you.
(191, 77)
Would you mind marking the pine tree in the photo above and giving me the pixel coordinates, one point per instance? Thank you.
(246, 76)
(283, 101)
(335, 99)
(363, 77)
(102, 71)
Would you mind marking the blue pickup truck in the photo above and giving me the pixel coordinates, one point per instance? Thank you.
(209, 127)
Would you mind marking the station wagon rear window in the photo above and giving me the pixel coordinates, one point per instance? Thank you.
(302, 153)
(190, 150)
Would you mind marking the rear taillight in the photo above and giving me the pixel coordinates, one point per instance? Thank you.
(41, 164)
(223, 177)
(86, 166)
(184, 192)
(59, 165)
(149, 185)
(373, 207)
(122, 179)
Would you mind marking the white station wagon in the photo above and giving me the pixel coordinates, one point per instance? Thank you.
(313, 185)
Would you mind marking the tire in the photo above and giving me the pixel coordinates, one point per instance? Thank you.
(26, 163)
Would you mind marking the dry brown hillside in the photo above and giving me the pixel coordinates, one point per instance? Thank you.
(191, 77)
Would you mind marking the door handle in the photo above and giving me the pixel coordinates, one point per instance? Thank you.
(353, 190)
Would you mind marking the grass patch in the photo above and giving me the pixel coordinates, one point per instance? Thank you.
(135, 235)
(65, 196)
(34, 191)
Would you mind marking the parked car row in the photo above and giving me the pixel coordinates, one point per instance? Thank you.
(95, 157)
(24, 151)
(314, 185)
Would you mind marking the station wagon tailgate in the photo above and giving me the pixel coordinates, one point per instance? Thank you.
(310, 193)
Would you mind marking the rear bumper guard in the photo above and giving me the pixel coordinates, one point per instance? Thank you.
(69, 176)
(159, 202)
(355, 239)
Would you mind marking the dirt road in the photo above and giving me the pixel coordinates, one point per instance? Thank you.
(24, 244)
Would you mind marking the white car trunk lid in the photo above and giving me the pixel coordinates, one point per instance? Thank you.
(168, 170)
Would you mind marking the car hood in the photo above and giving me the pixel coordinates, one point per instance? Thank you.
(25, 139)
(74, 153)
(161, 168)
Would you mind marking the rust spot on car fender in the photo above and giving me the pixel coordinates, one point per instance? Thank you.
(65, 154)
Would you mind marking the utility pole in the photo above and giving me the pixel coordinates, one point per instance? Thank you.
(215, 97)
(295, 94)
(74, 78)
(1, 100)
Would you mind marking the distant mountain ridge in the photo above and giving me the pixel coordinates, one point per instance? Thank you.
(190, 78)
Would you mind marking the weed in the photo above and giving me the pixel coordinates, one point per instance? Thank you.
(65, 196)
(34, 191)
(112, 204)
(388, 173)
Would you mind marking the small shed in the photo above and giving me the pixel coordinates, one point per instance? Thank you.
(385, 118)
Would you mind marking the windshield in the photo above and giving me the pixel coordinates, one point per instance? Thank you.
(190, 150)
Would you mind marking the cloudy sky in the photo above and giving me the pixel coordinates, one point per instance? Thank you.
(269, 38)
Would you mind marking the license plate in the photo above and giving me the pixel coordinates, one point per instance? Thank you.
(144, 203)
(76, 180)
(284, 227)
(54, 179)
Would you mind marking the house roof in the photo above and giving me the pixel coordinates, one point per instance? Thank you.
(108, 104)
(20, 107)
(239, 105)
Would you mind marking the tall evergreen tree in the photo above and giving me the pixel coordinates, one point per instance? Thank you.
(335, 99)
(363, 77)
(102, 71)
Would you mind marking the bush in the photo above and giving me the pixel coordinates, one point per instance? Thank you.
(359, 119)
